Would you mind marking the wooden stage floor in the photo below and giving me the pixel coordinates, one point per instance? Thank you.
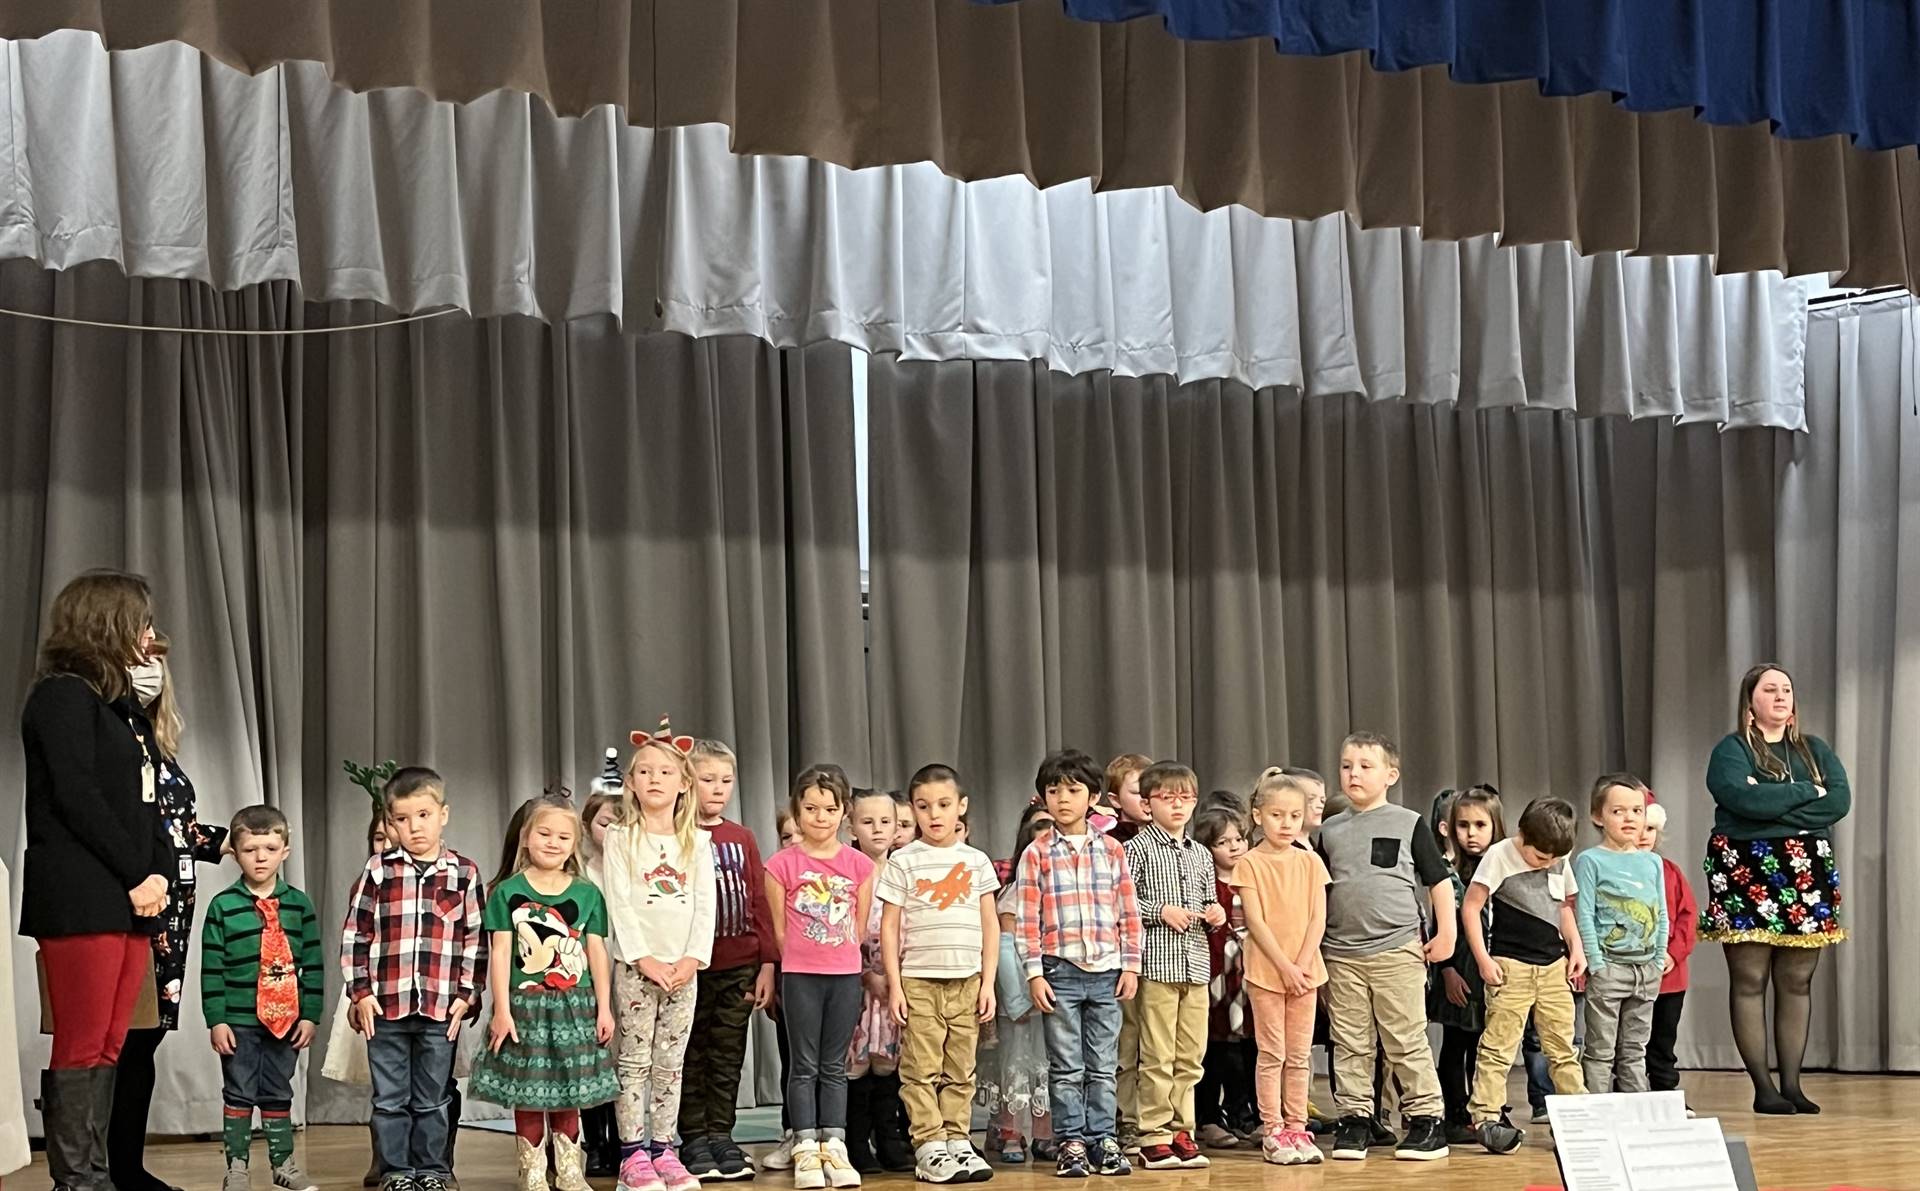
(1864, 1138)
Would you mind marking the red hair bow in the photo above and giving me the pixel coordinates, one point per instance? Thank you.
(679, 744)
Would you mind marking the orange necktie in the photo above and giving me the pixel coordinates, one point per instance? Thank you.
(279, 994)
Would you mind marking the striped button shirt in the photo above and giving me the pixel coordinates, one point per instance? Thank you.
(1172, 870)
(413, 938)
(1077, 903)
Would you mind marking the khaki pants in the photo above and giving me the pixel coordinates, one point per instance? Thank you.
(1173, 1044)
(1540, 990)
(1126, 1069)
(936, 1057)
(1381, 999)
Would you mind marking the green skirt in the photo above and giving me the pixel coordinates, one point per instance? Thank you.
(556, 1064)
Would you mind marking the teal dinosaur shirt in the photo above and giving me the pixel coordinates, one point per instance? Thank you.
(1621, 908)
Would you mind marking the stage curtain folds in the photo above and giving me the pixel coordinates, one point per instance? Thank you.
(491, 546)
(984, 91)
(176, 166)
(1848, 66)
(1237, 579)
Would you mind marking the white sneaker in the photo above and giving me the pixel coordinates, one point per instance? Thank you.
(780, 1157)
(834, 1160)
(972, 1165)
(932, 1163)
(236, 1178)
(809, 1168)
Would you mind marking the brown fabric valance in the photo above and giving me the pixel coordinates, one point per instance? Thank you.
(989, 90)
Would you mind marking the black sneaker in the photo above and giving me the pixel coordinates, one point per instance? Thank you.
(1380, 1135)
(1110, 1160)
(432, 1182)
(1426, 1140)
(1350, 1139)
(1500, 1137)
(1073, 1161)
(730, 1159)
(398, 1182)
(697, 1156)
(1460, 1133)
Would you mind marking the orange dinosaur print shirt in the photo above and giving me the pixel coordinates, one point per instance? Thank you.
(938, 891)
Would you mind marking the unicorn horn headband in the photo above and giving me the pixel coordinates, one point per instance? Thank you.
(679, 744)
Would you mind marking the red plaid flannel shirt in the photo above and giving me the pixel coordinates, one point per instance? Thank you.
(1077, 903)
(413, 939)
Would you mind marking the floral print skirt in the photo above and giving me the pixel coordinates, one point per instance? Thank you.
(1784, 892)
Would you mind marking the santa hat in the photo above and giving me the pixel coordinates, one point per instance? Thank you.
(679, 744)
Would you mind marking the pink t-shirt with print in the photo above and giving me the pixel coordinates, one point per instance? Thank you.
(822, 897)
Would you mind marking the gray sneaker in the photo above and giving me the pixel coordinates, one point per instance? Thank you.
(1500, 1137)
(395, 1182)
(933, 1164)
(971, 1164)
(290, 1177)
(237, 1178)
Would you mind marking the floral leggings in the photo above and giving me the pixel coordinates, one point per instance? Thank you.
(654, 1026)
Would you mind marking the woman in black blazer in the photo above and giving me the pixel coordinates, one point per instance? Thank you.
(98, 862)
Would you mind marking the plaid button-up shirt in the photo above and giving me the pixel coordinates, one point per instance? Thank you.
(1076, 903)
(413, 938)
(1171, 870)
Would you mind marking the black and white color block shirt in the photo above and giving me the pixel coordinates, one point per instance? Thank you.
(1170, 870)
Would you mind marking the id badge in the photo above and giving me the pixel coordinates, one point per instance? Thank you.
(186, 870)
(146, 783)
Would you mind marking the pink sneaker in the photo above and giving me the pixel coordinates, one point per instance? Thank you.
(637, 1173)
(1303, 1145)
(1277, 1147)
(666, 1164)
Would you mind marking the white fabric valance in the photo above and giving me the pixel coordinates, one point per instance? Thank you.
(177, 166)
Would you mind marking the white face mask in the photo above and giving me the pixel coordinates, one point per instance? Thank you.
(147, 679)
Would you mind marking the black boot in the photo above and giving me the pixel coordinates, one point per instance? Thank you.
(65, 1104)
(860, 1125)
(100, 1081)
(596, 1129)
(890, 1143)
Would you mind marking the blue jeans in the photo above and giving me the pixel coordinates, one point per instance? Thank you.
(411, 1061)
(1083, 1042)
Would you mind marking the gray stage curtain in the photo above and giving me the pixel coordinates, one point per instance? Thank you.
(1236, 579)
(491, 546)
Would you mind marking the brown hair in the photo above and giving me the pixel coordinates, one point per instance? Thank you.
(257, 820)
(828, 779)
(94, 630)
(1274, 779)
(1168, 775)
(1124, 766)
(1763, 759)
(168, 724)
(1374, 740)
(597, 801)
(378, 826)
(411, 780)
(1607, 781)
(1547, 825)
(1487, 799)
(1210, 824)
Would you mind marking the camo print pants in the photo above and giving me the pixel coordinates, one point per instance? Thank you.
(654, 1026)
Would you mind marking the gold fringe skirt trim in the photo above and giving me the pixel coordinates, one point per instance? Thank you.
(1766, 936)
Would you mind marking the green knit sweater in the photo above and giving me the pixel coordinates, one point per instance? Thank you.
(230, 954)
(1750, 805)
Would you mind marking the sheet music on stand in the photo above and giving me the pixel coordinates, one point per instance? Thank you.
(1637, 1142)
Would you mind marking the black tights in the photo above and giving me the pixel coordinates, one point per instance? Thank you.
(132, 1098)
(1749, 967)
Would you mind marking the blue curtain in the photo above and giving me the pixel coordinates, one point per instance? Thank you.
(1811, 67)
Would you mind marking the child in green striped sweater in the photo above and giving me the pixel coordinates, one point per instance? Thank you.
(260, 985)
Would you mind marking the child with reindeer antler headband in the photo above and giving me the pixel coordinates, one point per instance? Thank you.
(658, 877)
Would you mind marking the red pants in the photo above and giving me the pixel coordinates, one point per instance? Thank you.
(92, 983)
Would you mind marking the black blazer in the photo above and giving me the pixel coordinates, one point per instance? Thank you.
(91, 838)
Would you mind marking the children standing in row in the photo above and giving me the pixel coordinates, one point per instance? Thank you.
(1077, 929)
(261, 988)
(1622, 915)
(823, 889)
(940, 938)
(1173, 879)
(1381, 857)
(1284, 889)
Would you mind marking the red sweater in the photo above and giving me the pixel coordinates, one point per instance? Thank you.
(742, 921)
(1682, 924)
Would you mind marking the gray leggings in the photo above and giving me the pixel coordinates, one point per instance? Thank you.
(820, 1013)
